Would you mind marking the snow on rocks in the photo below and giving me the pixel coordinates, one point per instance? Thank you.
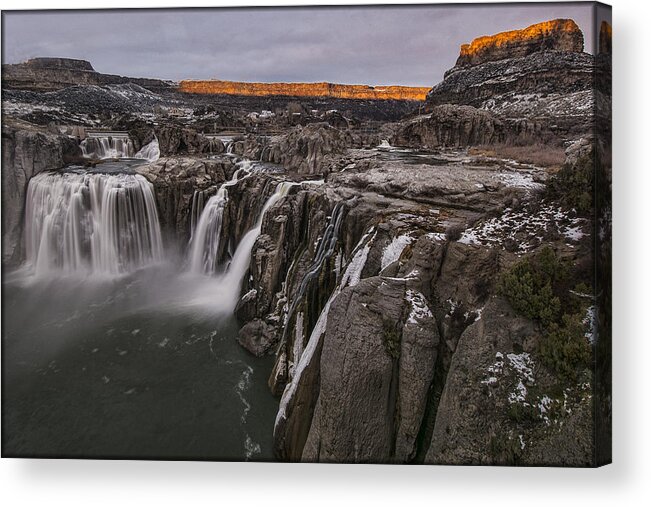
(419, 307)
(394, 249)
(525, 229)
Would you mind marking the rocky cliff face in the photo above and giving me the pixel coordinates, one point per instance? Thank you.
(49, 74)
(26, 151)
(538, 75)
(304, 150)
(451, 126)
(175, 181)
(331, 90)
(557, 35)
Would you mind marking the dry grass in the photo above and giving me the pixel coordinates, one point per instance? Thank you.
(543, 155)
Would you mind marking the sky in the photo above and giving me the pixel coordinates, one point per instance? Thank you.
(406, 45)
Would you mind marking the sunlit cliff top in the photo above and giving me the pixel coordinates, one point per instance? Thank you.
(557, 34)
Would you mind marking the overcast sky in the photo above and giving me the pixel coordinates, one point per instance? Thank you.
(377, 45)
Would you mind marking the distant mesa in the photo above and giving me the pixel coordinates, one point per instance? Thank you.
(557, 34)
(59, 63)
(330, 90)
(50, 74)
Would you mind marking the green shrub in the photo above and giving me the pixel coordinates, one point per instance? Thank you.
(529, 286)
(574, 185)
(564, 348)
(538, 288)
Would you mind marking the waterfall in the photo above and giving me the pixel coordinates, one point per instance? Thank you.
(231, 281)
(350, 278)
(149, 152)
(90, 223)
(324, 251)
(204, 242)
(206, 222)
(198, 204)
(109, 146)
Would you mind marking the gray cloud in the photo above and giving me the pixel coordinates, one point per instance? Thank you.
(410, 45)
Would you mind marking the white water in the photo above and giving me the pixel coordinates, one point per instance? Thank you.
(90, 223)
(350, 278)
(206, 231)
(149, 152)
(107, 147)
(223, 292)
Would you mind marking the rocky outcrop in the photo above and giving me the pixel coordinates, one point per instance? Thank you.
(544, 72)
(494, 373)
(26, 151)
(450, 126)
(535, 80)
(557, 35)
(175, 181)
(48, 74)
(305, 150)
(177, 140)
(340, 91)
(376, 368)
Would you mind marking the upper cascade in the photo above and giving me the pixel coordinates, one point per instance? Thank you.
(557, 34)
(340, 91)
(78, 222)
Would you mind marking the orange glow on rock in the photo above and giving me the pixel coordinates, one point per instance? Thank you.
(558, 34)
(341, 91)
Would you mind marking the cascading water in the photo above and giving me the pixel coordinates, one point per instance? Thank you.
(324, 251)
(198, 204)
(149, 152)
(102, 147)
(204, 243)
(91, 223)
(230, 282)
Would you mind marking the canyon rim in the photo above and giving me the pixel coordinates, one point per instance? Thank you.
(311, 269)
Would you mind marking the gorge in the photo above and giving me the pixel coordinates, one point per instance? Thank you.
(217, 271)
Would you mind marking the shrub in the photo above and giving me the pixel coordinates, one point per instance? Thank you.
(538, 288)
(565, 348)
(574, 184)
(529, 286)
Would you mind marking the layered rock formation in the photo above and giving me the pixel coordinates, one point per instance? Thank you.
(557, 35)
(48, 74)
(341, 91)
(537, 81)
(175, 181)
(451, 126)
(26, 151)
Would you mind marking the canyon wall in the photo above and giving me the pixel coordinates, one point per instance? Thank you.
(49, 74)
(557, 34)
(340, 91)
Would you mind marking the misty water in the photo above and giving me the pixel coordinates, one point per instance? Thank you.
(133, 356)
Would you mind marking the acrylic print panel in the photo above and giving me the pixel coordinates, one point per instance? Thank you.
(349, 235)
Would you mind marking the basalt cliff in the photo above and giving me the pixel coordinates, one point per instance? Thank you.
(340, 91)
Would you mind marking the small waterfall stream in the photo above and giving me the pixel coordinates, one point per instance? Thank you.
(207, 228)
(102, 147)
(150, 151)
(91, 223)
